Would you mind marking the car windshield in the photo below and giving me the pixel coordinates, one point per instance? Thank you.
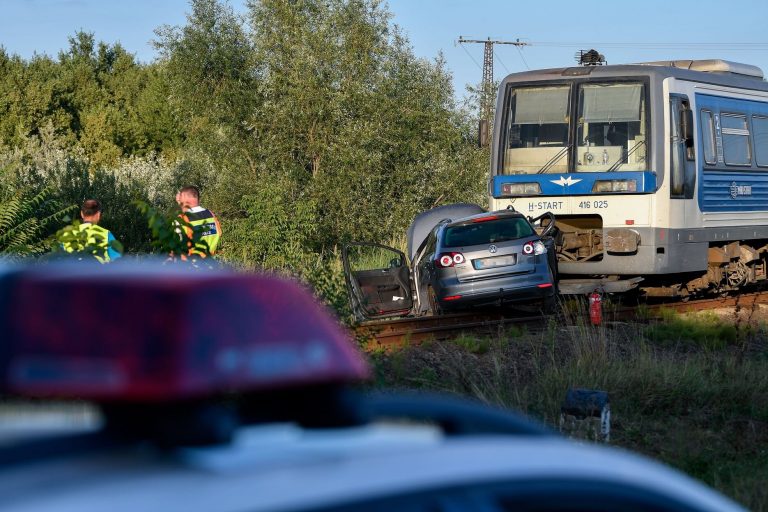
(487, 232)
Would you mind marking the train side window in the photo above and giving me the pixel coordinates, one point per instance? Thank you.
(736, 148)
(760, 135)
(708, 137)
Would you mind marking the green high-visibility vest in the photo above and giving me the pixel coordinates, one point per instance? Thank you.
(98, 242)
(207, 225)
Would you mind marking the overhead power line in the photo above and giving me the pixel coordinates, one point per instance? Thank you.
(486, 99)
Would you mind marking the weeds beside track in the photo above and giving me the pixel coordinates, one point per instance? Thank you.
(688, 387)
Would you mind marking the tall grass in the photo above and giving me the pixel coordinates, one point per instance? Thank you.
(688, 390)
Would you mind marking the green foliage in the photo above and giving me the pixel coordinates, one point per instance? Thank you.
(95, 96)
(275, 232)
(76, 180)
(27, 221)
(214, 89)
(703, 330)
(473, 344)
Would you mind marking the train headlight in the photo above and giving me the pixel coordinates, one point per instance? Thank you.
(520, 189)
(615, 186)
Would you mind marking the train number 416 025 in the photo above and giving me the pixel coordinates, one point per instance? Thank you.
(586, 205)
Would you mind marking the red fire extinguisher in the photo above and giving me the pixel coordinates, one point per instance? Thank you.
(595, 308)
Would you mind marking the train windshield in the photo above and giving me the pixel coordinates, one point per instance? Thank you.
(610, 132)
(610, 128)
(537, 130)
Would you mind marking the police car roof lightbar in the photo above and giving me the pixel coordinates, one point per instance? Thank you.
(151, 333)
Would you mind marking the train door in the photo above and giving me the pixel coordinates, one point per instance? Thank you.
(682, 164)
(378, 281)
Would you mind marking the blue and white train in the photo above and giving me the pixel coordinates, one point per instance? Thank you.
(657, 172)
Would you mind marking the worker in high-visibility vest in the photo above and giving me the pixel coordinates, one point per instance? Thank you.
(98, 240)
(201, 220)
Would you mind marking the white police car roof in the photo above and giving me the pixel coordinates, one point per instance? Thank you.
(282, 467)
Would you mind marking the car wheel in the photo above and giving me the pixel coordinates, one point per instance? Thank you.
(434, 306)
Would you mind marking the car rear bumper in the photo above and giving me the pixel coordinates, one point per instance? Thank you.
(519, 288)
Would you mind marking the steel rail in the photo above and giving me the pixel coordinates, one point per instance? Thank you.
(391, 334)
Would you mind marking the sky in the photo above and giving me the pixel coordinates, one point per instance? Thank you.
(623, 31)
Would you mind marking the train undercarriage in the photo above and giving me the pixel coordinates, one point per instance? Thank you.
(730, 265)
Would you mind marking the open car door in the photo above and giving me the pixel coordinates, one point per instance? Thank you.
(378, 281)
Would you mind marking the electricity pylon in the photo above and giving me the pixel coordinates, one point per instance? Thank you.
(487, 97)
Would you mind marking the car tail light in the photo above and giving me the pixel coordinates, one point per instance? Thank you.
(536, 247)
(449, 259)
(152, 333)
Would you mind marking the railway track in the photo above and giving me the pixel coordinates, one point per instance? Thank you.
(390, 334)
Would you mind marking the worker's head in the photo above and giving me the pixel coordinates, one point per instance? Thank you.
(188, 197)
(91, 211)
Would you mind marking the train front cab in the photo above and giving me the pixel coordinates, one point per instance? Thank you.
(656, 209)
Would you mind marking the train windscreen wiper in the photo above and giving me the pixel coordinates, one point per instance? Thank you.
(619, 163)
(552, 161)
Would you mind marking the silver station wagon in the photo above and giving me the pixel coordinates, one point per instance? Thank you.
(459, 256)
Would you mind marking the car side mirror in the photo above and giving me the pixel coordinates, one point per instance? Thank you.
(395, 263)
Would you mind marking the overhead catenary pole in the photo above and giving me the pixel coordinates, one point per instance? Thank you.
(486, 99)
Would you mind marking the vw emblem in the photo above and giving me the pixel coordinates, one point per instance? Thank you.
(492, 249)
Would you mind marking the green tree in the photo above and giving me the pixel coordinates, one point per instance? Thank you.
(322, 124)
(361, 127)
(207, 65)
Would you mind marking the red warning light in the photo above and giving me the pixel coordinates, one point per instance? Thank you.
(144, 333)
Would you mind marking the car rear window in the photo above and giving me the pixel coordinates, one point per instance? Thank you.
(487, 232)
